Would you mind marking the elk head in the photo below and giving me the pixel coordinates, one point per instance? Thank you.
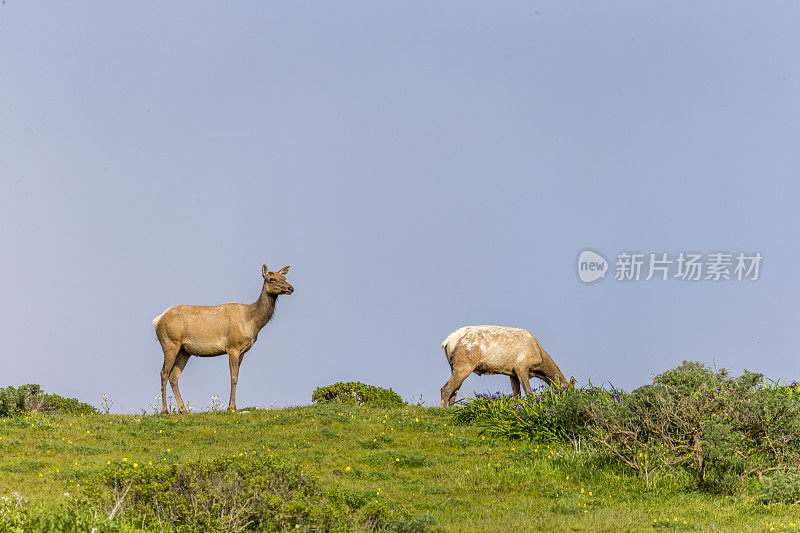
(275, 282)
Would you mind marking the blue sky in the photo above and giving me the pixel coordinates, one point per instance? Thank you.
(421, 166)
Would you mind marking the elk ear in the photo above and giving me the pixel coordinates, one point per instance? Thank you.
(284, 270)
(264, 270)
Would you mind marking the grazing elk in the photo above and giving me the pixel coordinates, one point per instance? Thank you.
(208, 331)
(497, 350)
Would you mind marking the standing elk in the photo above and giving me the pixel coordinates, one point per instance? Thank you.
(513, 352)
(209, 331)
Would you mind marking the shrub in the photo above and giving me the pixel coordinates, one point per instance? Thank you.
(17, 400)
(30, 398)
(358, 393)
(715, 426)
(783, 487)
(52, 403)
(234, 494)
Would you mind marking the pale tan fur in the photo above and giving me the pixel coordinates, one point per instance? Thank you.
(209, 331)
(497, 350)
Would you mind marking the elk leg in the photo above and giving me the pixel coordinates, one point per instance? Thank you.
(233, 361)
(515, 385)
(180, 362)
(450, 389)
(170, 353)
(524, 378)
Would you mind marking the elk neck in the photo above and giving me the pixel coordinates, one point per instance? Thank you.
(554, 375)
(264, 307)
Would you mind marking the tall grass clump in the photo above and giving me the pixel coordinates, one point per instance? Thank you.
(17, 515)
(549, 415)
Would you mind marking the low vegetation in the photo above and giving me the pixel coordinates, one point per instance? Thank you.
(717, 429)
(253, 491)
(718, 452)
(30, 398)
(358, 393)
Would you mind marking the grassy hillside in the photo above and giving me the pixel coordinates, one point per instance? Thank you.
(414, 460)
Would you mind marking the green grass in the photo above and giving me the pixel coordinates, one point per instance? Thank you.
(414, 458)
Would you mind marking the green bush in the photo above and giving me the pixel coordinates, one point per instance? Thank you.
(51, 403)
(248, 493)
(717, 427)
(358, 393)
(17, 400)
(29, 398)
(783, 487)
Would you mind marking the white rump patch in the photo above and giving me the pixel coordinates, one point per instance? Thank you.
(156, 319)
(457, 334)
(450, 342)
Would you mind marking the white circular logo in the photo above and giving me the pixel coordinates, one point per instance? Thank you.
(591, 266)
